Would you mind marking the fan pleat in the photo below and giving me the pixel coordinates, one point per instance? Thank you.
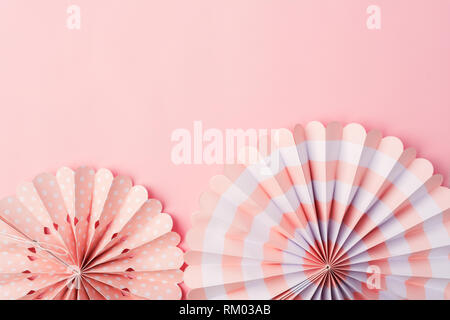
(343, 205)
(60, 233)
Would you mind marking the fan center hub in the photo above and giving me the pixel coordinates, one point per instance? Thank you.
(76, 271)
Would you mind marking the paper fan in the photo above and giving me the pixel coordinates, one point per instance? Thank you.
(344, 214)
(86, 235)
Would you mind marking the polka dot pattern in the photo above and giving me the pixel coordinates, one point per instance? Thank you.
(29, 197)
(150, 285)
(103, 182)
(109, 292)
(117, 193)
(84, 185)
(142, 228)
(90, 292)
(157, 255)
(84, 234)
(66, 182)
(131, 204)
(13, 212)
(47, 292)
(49, 192)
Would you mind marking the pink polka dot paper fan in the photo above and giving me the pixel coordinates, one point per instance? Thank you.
(86, 234)
(325, 212)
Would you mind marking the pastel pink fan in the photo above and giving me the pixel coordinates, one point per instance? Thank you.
(324, 212)
(86, 234)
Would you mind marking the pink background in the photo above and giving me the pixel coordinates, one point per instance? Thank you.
(111, 94)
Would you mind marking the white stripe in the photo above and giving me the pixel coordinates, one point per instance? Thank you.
(396, 285)
(377, 161)
(435, 289)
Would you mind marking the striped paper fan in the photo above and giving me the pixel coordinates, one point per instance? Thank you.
(331, 213)
(86, 235)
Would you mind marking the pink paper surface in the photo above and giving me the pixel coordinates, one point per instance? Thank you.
(110, 94)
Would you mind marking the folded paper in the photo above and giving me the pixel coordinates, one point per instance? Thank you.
(86, 234)
(327, 212)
